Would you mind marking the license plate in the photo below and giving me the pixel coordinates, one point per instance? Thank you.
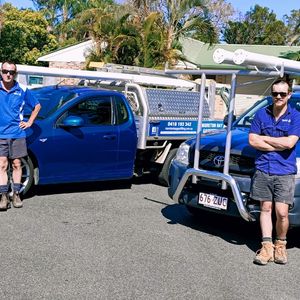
(213, 201)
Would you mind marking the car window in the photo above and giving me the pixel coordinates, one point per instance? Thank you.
(121, 110)
(247, 117)
(94, 111)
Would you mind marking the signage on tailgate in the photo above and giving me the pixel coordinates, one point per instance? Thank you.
(181, 127)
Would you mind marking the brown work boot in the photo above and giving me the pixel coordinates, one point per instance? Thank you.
(280, 254)
(265, 254)
(4, 202)
(16, 201)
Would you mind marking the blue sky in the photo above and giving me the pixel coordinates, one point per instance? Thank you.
(279, 7)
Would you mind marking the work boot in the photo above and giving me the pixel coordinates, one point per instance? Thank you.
(265, 254)
(16, 201)
(280, 254)
(4, 202)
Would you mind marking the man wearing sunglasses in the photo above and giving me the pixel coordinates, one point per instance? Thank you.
(13, 98)
(274, 133)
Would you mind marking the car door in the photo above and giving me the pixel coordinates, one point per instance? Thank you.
(86, 152)
(127, 137)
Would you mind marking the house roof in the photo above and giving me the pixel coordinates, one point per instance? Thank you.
(201, 54)
(75, 53)
(195, 52)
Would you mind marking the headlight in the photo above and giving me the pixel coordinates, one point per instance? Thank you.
(298, 167)
(182, 154)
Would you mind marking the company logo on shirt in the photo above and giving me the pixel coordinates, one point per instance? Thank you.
(17, 93)
(286, 120)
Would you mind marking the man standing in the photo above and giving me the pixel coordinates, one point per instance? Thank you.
(274, 132)
(13, 98)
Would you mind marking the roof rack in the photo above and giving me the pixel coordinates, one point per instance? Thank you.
(146, 80)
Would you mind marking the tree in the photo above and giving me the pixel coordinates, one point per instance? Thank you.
(259, 27)
(174, 19)
(60, 12)
(220, 13)
(24, 35)
(293, 24)
(143, 39)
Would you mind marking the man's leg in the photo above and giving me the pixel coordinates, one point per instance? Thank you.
(266, 253)
(18, 150)
(265, 219)
(4, 201)
(282, 226)
(17, 170)
(3, 170)
(282, 219)
(17, 176)
(262, 190)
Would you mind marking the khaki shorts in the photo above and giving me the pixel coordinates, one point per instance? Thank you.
(277, 188)
(13, 148)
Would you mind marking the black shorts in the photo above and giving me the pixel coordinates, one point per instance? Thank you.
(277, 188)
(13, 148)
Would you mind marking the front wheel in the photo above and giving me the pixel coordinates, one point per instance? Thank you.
(163, 176)
(27, 174)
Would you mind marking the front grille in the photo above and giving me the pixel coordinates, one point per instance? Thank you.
(237, 163)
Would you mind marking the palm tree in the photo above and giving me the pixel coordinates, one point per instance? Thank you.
(179, 18)
(144, 39)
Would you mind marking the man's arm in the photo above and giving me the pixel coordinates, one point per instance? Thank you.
(269, 143)
(257, 141)
(32, 117)
(282, 143)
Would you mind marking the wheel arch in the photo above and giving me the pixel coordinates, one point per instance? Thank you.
(35, 167)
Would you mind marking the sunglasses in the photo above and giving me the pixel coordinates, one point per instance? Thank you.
(11, 72)
(282, 94)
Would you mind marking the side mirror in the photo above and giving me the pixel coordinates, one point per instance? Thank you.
(72, 121)
(225, 121)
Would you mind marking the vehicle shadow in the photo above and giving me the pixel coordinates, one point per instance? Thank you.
(78, 187)
(233, 230)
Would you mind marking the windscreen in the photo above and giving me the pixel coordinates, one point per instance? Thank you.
(246, 119)
(50, 99)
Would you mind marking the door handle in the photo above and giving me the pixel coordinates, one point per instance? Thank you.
(109, 136)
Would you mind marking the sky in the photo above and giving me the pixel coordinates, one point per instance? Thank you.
(279, 7)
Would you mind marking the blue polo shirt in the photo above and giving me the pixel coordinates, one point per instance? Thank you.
(264, 123)
(12, 105)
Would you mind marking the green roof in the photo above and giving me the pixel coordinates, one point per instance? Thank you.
(201, 54)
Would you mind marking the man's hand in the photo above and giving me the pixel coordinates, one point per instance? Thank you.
(33, 116)
(24, 124)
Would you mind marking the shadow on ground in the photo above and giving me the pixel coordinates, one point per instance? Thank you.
(79, 187)
(233, 230)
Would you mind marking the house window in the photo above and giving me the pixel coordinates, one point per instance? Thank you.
(34, 80)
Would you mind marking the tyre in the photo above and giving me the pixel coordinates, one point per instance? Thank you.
(163, 176)
(27, 174)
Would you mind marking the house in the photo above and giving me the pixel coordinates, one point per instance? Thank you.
(72, 57)
(197, 54)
